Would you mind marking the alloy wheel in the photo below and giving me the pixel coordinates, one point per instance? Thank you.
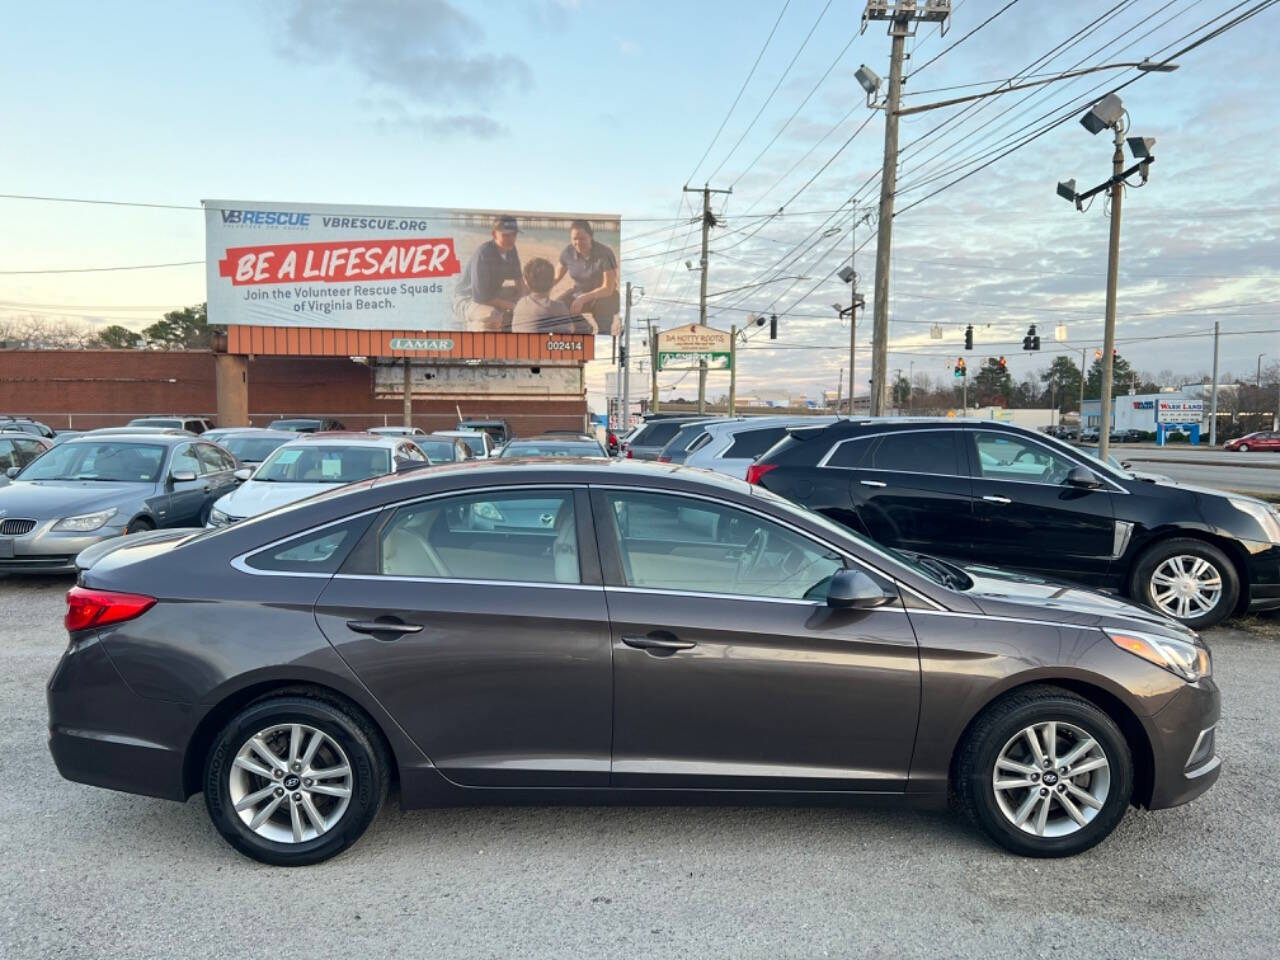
(290, 783)
(1051, 779)
(1186, 586)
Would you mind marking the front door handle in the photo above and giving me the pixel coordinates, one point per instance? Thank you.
(659, 642)
(871, 483)
(997, 500)
(393, 626)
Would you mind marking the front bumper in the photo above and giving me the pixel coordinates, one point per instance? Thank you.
(45, 550)
(1263, 563)
(102, 733)
(1184, 745)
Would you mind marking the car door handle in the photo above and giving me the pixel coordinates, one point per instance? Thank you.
(872, 483)
(659, 641)
(388, 625)
(997, 500)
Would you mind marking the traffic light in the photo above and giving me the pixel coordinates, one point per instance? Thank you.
(1004, 366)
(968, 337)
(1032, 340)
(622, 356)
(773, 326)
(959, 370)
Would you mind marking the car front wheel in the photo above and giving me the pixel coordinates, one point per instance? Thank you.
(294, 780)
(1243, 448)
(1189, 580)
(1045, 773)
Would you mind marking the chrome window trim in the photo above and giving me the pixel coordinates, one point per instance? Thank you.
(462, 580)
(754, 598)
(240, 561)
(842, 551)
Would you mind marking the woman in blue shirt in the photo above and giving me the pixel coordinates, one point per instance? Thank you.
(593, 268)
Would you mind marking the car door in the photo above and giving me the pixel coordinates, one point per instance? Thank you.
(729, 669)
(487, 641)
(1029, 517)
(910, 489)
(186, 498)
(218, 468)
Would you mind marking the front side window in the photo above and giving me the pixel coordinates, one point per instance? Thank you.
(10, 455)
(526, 536)
(669, 542)
(185, 461)
(212, 460)
(1003, 456)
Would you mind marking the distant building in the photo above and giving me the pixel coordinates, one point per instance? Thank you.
(1159, 413)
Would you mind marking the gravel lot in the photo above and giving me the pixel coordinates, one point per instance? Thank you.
(89, 873)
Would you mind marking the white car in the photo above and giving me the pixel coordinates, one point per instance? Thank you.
(481, 443)
(731, 445)
(310, 464)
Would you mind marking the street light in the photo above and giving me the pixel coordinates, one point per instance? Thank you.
(1109, 114)
(869, 80)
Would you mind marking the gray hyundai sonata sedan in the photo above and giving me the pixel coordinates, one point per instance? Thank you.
(490, 630)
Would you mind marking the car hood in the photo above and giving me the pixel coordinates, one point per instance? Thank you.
(1006, 594)
(258, 496)
(43, 499)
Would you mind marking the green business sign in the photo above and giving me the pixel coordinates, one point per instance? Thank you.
(669, 360)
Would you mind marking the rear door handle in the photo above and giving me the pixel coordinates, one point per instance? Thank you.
(660, 642)
(997, 500)
(871, 483)
(384, 625)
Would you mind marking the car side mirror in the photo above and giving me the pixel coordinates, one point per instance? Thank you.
(853, 589)
(243, 474)
(12, 472)
(182, 476)
(1083, 477)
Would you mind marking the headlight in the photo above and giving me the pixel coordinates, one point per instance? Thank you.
(85, 522)
(1266, 516)
(1187, 659)
(218, 519)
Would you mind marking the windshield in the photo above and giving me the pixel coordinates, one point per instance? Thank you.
(475, 443)
(300, 426)
(106, 461)
(253, 449)
(163, 422)
(438, 451)
(313, 463)
(554, 449)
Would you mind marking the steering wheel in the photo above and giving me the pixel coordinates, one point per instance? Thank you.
(752, 553)
(1024, 453)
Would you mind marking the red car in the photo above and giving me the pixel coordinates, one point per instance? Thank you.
(1260, 440)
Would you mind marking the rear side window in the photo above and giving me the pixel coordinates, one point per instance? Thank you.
(751, 443)
(317, 551)
(851, 453)
(657, 435)
(918, 451)
(686, 438)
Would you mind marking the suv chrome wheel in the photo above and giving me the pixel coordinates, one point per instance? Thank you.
(290, 783)
(1051, 779)
(1186, 587)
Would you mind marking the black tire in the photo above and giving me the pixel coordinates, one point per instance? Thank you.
(351, 730)
(139, 525)
(996, 726)
(1141, 588)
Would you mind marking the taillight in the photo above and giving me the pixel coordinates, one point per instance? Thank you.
(100, 608)
(630, 455)
(662, 459)
(757, 470)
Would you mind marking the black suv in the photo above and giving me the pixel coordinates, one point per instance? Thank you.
(985, 492)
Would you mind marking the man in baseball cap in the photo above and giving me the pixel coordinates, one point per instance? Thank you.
(491, 282)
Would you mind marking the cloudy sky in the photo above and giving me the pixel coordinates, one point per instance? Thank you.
(612, 106)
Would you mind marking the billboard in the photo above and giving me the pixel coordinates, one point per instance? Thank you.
(1179, 411)
(687, 347)
(411, 268)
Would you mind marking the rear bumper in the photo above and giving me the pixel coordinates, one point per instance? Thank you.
(1183, 735)
(103, 734)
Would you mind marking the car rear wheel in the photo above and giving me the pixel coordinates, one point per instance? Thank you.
(1045, 773)
(294, 780)
(1191, 581)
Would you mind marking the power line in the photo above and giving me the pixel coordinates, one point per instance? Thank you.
(140, 266)
(943, 52)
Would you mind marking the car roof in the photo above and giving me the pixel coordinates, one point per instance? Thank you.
(575, 470)
(557, 438)
(164, 437)
(459, 433)
(346, 438)
(251, 432)
(9, 434)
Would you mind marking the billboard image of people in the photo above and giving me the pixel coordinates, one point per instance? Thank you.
(383, 268)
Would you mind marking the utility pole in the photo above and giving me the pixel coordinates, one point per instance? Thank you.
(839, 388)
(653, 367)
(408, 394)
(898, 29)
(1213, 392)
(624, 365)
(708, 221)
(1113, 275)
(733, 368)
(1080, 435)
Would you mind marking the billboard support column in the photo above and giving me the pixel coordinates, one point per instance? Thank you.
(733, 368)
(625, 359)
(653, 368)
(231, 385)
(408, 393)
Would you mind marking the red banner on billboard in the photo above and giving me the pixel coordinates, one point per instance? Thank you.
(340, 261)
